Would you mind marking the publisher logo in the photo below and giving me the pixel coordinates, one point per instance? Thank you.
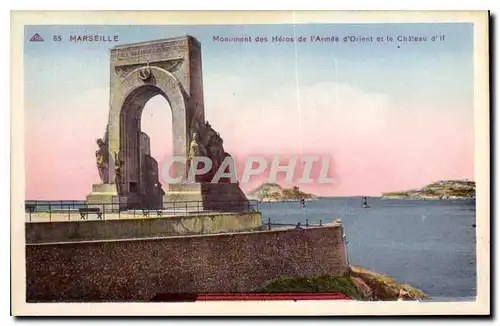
(36, 38)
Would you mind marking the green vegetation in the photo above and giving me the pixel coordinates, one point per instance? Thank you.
(395, 194)
(275, 192)
(445, 189)
(343, 284)
(359, 284)
(294, 193)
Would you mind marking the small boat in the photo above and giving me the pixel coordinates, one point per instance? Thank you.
(365, 202)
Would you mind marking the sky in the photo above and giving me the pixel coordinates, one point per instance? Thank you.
(390, 116)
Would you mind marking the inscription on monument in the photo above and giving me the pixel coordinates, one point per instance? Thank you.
(155, 48)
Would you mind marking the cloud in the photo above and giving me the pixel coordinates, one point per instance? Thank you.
(290, 117)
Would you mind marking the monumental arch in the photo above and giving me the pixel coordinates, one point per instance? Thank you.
(129, 175)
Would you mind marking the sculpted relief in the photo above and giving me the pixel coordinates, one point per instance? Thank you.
(206, 142)
(171, 65)
(102, 162)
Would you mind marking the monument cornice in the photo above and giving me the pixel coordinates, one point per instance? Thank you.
(165, 40)
(151, 51)
(171, 65)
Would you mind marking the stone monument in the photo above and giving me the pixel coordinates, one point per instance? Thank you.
(171, 68)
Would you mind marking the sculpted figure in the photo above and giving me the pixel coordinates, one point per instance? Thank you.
(208, 144)
(211, 149)
(212, 152)
(219, 142)
(118, 173)
(209, 133)
(102, 160)
(216, 151)
(196, 149)
(198, 125)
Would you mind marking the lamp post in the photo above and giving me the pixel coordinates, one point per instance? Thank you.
(158, 194)
(344, 239)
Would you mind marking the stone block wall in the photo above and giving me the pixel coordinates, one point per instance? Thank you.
(137, 270)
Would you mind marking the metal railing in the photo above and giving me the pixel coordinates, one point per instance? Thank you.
(67, 210)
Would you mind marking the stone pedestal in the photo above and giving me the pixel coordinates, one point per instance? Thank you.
(105, 197)
(206, 196)
(223, 197)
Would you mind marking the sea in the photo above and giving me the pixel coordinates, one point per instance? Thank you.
(429, 244)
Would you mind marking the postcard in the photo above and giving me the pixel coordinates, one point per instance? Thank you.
(250, 163)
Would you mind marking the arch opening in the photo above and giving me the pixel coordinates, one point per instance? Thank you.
(156, 122)
(141, 181)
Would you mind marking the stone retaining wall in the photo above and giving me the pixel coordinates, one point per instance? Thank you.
(126, 228)
(137, 270)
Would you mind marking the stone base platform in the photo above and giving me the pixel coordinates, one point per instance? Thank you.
(206, 196)
(105, 196)
(223, 197)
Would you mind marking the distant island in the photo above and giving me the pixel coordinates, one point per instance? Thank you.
(275, 193)
(444, 189)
